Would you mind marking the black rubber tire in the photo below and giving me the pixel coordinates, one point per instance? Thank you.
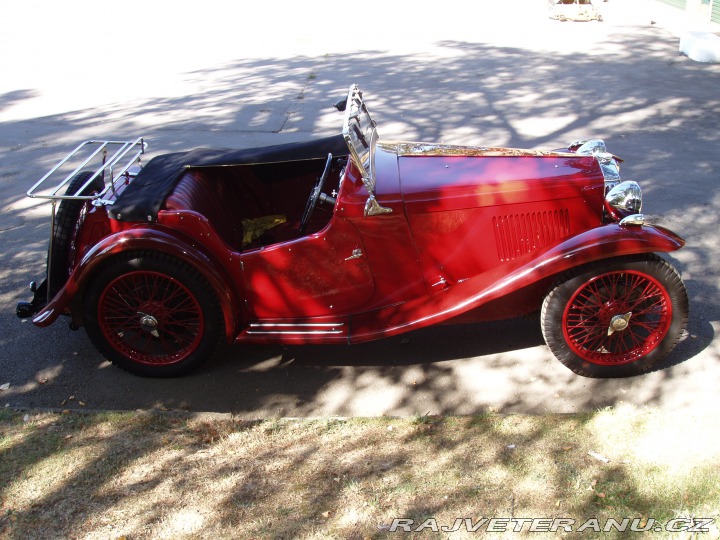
(668, 283)
(188, 322)
(68, 220)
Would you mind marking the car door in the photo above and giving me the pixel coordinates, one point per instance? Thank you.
(322, 274)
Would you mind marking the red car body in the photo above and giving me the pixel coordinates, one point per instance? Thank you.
(413, 234)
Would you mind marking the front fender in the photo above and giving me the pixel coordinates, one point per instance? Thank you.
(143, 239)
(603, 242)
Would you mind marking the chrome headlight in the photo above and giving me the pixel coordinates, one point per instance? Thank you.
(625, 199)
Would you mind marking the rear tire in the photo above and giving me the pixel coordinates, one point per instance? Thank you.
(152, 315)
(68, 220)
(616, 318)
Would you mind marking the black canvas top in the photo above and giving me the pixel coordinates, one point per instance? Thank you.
(142, 199)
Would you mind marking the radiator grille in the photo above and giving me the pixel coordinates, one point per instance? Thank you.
(519, 234)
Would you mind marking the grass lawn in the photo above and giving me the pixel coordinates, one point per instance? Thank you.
(145, 475)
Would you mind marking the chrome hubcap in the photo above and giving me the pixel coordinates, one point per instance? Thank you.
(149, 324)
(619, 323)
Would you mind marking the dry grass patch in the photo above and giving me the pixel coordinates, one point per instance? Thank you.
(163, 476)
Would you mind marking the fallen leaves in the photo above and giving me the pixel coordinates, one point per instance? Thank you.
(80, 402)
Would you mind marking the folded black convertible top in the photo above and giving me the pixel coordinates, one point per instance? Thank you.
(143, 198)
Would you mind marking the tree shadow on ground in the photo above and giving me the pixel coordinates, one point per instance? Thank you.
(149, 476)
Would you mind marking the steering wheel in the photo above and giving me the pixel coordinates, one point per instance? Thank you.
(315, 195)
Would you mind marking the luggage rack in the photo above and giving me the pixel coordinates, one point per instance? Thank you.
(121, 160)
(115, 157)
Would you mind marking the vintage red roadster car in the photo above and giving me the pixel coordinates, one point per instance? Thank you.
(353, 238)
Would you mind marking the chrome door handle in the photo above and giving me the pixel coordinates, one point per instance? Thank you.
(356, 254)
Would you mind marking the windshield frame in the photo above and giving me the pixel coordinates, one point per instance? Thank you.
(361, 136)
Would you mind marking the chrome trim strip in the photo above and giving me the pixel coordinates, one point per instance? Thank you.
(410, 149)
(295, 325)
(290, 333)
(296, 329)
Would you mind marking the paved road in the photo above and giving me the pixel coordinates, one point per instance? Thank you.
(207, 77)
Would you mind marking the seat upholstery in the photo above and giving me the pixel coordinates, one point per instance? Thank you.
(220, 202)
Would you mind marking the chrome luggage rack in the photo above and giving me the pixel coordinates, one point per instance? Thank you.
(121, 160)
(96, 156)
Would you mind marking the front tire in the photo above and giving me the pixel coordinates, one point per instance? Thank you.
(616, 318)
(152, 315)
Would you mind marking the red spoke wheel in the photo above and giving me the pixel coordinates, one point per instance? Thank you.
(152, 315)
(616, 318)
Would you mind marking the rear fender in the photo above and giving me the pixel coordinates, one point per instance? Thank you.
(604, 242)
(143, 239)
